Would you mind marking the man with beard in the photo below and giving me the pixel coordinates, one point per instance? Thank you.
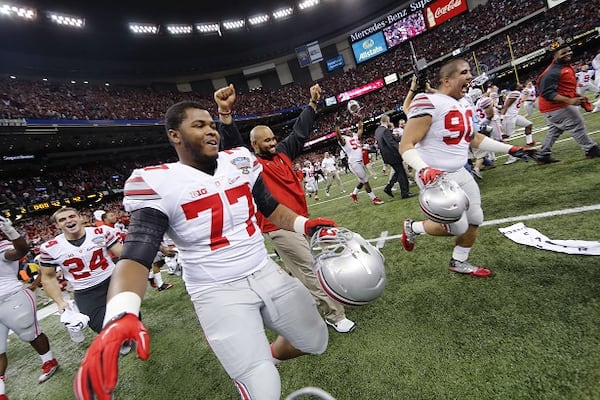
(280, 178)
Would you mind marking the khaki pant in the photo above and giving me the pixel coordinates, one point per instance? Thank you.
(293, 249)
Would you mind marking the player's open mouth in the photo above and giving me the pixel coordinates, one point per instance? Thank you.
(71, 225)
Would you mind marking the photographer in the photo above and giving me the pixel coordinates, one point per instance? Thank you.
(418, 84)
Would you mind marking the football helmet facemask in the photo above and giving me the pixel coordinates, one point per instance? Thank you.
(350, 269)
(443, 200)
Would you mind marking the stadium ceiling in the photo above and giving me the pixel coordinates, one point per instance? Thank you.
(106, 48)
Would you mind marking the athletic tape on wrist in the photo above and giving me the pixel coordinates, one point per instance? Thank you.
(124, 302)
(299, 224)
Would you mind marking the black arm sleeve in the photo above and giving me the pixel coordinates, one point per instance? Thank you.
(264, 200)
(293, 145)
(145, 233)
(230, 136)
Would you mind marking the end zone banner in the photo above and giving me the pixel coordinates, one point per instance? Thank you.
(441, 11)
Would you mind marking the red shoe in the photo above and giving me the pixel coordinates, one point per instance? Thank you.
(531, 144)
(3, 397)
(408, 235)
(465, 267)
(48, 369)
(354, 198)
(377, 201)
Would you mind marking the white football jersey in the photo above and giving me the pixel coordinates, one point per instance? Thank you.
(86, 265)
(353, 148)
(9, 284)
(529, 93)
(309, 174)
(446, 144)
(513, 109)
(585, 77)
(211, 217)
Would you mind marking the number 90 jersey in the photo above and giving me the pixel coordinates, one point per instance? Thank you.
(211, 217)
(86, 265)
(446, 144)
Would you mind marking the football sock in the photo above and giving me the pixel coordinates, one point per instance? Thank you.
(529, 138)
(158, 279)
(371, 195)
(461, 253)
(2, 389)
(418, 227)
(46, 357)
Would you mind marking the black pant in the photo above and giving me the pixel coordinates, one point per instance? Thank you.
(399, 176)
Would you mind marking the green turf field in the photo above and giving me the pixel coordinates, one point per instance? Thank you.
(530, 332)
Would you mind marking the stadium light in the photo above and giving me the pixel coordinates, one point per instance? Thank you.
(234, 24)
(209, 27)
(10, 10)
(283, 12)
(307, 4)
(258, 19)
(179, 29)
(66, 20)
(147, 29)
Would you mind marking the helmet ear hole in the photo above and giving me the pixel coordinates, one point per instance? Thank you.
(350, 269)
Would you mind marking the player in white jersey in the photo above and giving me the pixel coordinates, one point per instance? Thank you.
(436, 142)
(332, 174)
(585, 80)
(352, 146)
(18, 310)
(207, 203)
(530, 95)
(310, 181)
(511, 118)
(167, 250)
(82, 254)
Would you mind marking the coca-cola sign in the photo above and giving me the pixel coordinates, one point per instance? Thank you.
(442, 10)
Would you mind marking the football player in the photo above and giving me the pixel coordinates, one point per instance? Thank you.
(18, 311)
(352, 146)
(83, 254)
(207, 203)
(510, 117)
(436, 143)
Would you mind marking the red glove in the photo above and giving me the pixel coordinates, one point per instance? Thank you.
(99, 370)
(313, 225)
(428, 174)
(524, 153)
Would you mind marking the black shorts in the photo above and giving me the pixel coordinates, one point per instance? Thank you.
(92, 302)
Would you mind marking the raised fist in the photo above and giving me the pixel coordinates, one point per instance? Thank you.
(225, 97)
(7, 228)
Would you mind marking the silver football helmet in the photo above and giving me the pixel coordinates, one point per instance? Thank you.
(443, 200)
(350, 269)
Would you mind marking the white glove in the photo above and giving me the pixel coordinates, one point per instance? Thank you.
(74, 321)
(7, 228)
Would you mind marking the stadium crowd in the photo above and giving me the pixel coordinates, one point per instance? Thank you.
(481, 30)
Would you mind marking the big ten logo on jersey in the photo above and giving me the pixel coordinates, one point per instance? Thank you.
(243, 164)
(459, 126)
(198, 192)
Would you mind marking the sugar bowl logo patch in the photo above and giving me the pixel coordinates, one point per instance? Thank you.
(243, 164)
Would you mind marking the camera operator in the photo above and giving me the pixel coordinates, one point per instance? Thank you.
(418, 84)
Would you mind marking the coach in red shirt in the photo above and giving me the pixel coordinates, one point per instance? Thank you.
(559, 102)
(283, 183)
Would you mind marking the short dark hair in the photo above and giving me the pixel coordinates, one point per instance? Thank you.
(177, 112)
(449, 68)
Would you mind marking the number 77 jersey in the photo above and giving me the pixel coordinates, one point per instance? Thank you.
(446, 144)
(211, 217)
(86, 265)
